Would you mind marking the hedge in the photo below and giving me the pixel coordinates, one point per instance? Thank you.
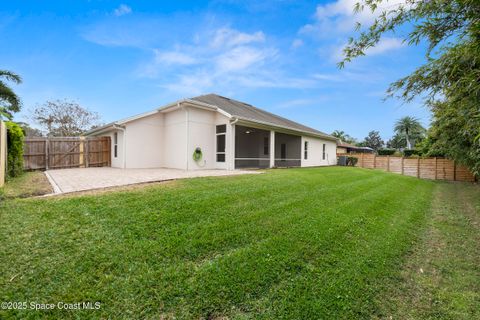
(386, 152)
(14, 149)
(410, 152)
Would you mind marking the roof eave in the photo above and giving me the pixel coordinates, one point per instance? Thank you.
(309, 133)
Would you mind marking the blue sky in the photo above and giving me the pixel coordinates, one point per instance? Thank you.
(121, 58)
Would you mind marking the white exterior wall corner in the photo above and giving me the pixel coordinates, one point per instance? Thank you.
(117, 162)
(315, 152)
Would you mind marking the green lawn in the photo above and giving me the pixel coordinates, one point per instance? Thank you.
(296, 244)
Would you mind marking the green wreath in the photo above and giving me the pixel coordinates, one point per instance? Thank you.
(197, 154)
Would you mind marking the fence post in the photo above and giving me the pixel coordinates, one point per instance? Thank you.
(87, 146)
(402, 166)
(374, 161)
(418, 168)
(388, 163)
(47, 158)
(81, 156)
(436, 165)
(454, 171)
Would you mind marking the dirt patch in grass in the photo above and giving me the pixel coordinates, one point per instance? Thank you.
(29, 184)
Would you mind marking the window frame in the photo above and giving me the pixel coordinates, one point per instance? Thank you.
(324, 151)
(115, 144)
(305, 150)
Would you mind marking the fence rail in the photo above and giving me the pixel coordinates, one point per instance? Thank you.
(66, 152)
(424, 168)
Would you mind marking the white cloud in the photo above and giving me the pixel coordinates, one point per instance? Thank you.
(173, 57)
(122, 10)
(386, 44)
(340, 17)
(296, 43)
(218, 60)
(335, 21)
(226, 37)
(241, 58)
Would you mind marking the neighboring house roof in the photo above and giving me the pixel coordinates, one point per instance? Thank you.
(232, 108)
(342, 144)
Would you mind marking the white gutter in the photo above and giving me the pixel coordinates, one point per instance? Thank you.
(124, 144)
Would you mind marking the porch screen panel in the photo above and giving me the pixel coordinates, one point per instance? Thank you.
(288, 150)
(251, 147)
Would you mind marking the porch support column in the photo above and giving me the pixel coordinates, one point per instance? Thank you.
(272, 148)
(231, 148)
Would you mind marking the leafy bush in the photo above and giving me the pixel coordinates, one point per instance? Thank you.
(14, 149)
(352, 161)
(410, 152)
(386, 152)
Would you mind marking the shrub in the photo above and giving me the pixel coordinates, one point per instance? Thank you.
(14, 149)
(352, 161)
(386, 152)
(410, 152)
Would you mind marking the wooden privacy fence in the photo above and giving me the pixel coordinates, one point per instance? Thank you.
(66, 152)
(424, 168)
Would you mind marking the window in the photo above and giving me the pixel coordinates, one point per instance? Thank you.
(283, 151)
(115, 144)
(323, 154)
(266, 145)
(221, 131)
(305, 151)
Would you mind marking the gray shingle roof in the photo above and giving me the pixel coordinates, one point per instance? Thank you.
(244, 110)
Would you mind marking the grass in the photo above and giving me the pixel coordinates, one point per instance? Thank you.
(29, 184)
(294, 244)
(441, 279)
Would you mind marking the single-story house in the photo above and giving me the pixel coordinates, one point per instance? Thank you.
(215, 132)
(343, 147)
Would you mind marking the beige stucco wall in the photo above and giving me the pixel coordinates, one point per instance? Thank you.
(174, 141)
(143, 142)
(315, 151)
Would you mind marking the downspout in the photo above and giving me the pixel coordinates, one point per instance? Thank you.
(232, 145)
(187, 132)
(124, 144)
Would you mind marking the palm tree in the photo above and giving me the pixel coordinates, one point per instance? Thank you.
(408, 127)
(9, 101)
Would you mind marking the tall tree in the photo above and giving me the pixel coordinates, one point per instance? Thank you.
(397, 142)
(64, 118)
(373, 140)
(449, 80)
(409, 127)
(9, 101)
(343, 136)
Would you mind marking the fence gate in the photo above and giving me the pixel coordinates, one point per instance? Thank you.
(66, 152)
